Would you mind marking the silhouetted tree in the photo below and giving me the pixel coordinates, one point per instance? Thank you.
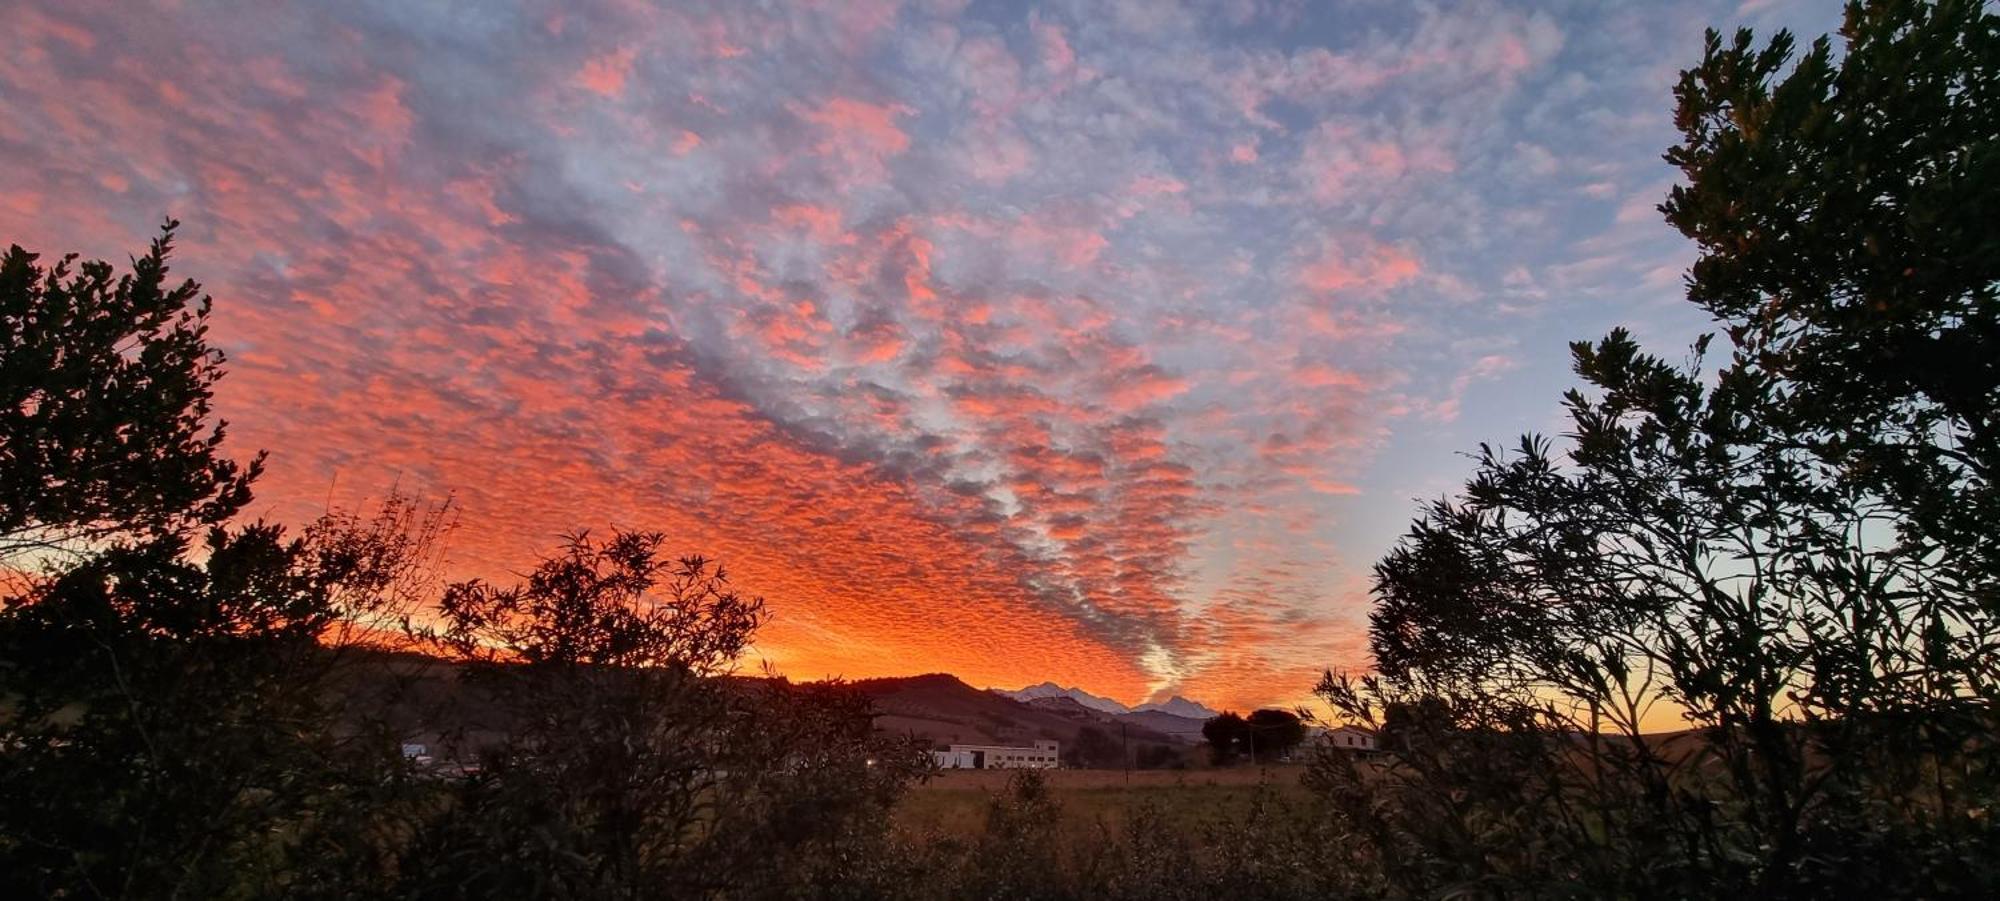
(1095, 747)
(168, 720)
(1224, 734)
(1794, 550)
(1159, 757)
(105, 383)
(1014, 857)
(632, 765)
(1267, 734)
(1273, 733)
(172, 727)
(1841, 211)
(186, 720)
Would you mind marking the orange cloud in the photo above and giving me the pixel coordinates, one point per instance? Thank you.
(968, 352)
(605, 75)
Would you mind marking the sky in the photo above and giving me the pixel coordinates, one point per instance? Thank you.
(1106, 343)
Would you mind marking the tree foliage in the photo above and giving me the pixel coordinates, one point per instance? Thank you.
(105, 387)
(1273, 733)
(628, 763)
(1841, 210)
(1266, 734)
(1786, 545)
(1095, 748)
(1790, 549)
(172, 727)
(1224, 734)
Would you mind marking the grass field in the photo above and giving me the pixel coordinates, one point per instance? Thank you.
(956, 801)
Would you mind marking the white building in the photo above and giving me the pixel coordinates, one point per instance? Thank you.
(1352, 738)
(1043, 756)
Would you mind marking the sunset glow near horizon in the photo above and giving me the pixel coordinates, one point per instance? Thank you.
(1100, 343)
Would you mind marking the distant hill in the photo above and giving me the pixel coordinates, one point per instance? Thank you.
(1186, 730)
(938, 708)
(1069, 707)
(944, 710)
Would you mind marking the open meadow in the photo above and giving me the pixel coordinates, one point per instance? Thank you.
(956, 801)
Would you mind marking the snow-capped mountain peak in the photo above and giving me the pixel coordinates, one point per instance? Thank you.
(1179, 706)
(1052, 690)
(1174, 706)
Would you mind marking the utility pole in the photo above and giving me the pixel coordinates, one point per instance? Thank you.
(1125, 751)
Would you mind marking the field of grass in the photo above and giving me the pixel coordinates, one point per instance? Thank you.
(956, 801)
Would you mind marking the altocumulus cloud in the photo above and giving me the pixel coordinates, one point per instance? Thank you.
(1055, 341)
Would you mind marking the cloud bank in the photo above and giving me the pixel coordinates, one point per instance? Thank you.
(1075, 341)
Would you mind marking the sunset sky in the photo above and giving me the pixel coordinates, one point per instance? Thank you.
(1101, 342)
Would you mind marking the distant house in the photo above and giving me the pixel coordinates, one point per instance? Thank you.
(955, 759)
(1353, 738)
(1043, 756)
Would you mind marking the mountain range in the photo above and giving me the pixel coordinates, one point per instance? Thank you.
(937, 707)
(1174, 706)
(944, 710)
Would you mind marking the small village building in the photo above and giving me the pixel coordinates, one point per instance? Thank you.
(1042, 756)
(1352, 738)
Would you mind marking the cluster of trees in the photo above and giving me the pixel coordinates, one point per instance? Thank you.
(1097, 748)
(1788, 544)
(1263, 736)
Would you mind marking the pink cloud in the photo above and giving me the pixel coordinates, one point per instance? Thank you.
(1140, 388)
(605, 75)
(996, 154)
(1053, 46)
(860, 135)
(1364, 266)
(1151, 185)
(1051, 364)
(1342, 162)
(1321, 375)
(822, 223)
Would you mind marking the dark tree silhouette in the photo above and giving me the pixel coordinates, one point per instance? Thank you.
(1224, 734)
(1093, 748)
(1158, 757)
(105, 383)
(175, 728)
(631, 764)
(1273, 733)
(168, 724)
(1842, 211)
(192, 720)
(1266, 734)
(1793, 549)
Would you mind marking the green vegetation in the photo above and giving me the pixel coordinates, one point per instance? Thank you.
(1794, 544)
